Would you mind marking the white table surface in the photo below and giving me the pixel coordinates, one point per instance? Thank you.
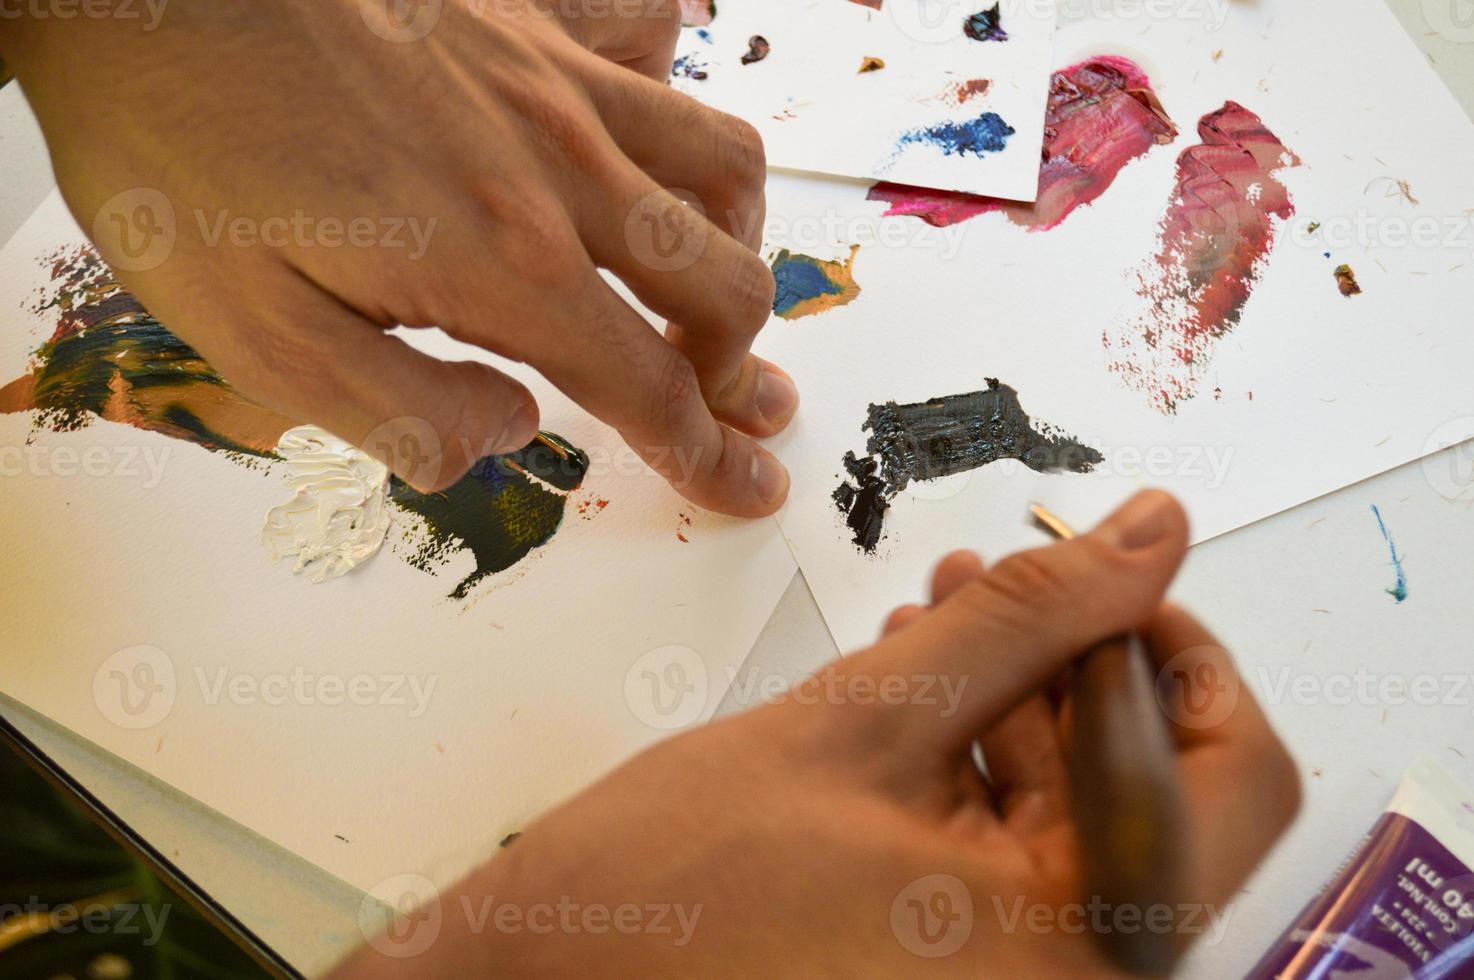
(1299, 598)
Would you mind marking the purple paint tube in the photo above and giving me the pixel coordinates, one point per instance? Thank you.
(1402, 906)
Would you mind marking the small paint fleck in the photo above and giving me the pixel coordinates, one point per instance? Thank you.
(1398, 591)
(966, 90)
(985, 25)
(704, 34)
(870, 63)
(1312, 228)
(757, 49)
(806, 285)
(686, 66)
(510, 838)
(1346, 281)
(872, 4)
(987, 133)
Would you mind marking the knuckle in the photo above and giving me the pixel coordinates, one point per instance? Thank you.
(676, 391)
(751, 293)
(572, 136)
(1027, 583)
(743, 160)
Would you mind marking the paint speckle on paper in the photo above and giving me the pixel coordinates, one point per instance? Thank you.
(757, 49)
(870, 63)
(687, 66)
(1393, 187)
(806, 285)
(1346, 281)
(941, 437)
(683, 524)
(1213, 247)
(985, 25)
(1102, 114)
(109, 359)
(1398, 589)
(960, 93)
(988, 133)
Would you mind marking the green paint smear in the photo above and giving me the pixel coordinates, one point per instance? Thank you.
(502, 510)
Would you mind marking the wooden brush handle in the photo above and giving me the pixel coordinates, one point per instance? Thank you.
(1126, 798)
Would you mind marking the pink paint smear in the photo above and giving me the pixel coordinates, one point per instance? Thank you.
(1102, 115)
(1215, 240)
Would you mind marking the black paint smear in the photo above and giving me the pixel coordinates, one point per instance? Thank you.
(863, 502)
(937, 438)
(500, 511)
(985, 25)
(757, 49)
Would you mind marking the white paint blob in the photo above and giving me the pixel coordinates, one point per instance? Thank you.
(339, 514)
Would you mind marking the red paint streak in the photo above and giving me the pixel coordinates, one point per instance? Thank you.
(1102, 115)
(1215, 240)
(960, 92)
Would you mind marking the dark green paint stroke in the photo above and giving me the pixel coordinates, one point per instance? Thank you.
(500, 511)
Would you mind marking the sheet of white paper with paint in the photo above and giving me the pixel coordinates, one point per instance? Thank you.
(1317, 390)
(817, 111)
(367, 723)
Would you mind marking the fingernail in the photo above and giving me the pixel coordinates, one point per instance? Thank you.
(521, 429)
(777, 395)
(769, 478)
(1141, 522)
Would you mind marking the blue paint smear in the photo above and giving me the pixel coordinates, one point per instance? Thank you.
(686, 66)
(987, 133)
(798, 280)
(1399, 588)
(704, 34)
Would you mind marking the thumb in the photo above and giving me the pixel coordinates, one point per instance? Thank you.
(1003, 636)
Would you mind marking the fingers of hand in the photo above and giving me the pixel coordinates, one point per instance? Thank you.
(683, 251)
(1002, 636)
(624, 373)
(1241, 785)
(639, 35)
(716, 293)
(314, 360)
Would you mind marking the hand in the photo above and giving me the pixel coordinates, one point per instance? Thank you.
(801, 838)
(328, 183)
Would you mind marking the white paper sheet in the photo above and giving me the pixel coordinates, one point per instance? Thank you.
(475, 716)
(1317, 390)
(816, 110)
